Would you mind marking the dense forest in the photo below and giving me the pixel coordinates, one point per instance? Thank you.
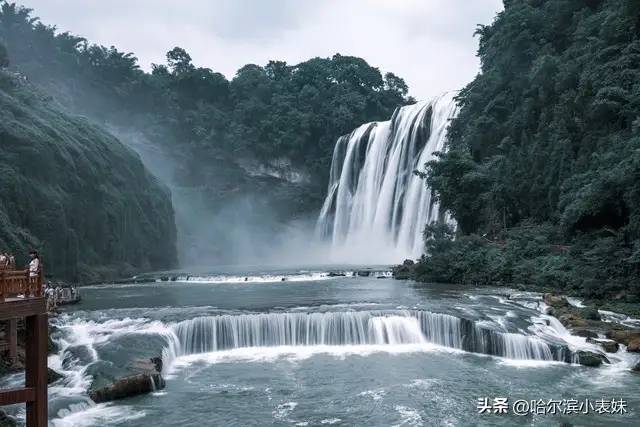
(269, 112)
(76, 193)
(266, 135)
(542, 168)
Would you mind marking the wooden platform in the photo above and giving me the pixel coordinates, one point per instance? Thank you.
(13, 308)
(21, 296)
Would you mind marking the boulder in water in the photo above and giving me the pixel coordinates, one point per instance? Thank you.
(624, 336)
(573, 321)
(77, 353)
(589, 358)
(52, 376)
(555, 300)
(610, 346)
(634, 346)
(586, 333)
(334, 274)
(157, 363)
(128, 387)
(636, 368)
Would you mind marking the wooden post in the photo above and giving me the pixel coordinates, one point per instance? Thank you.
(36, 368)
(12, 339)
(1, 287)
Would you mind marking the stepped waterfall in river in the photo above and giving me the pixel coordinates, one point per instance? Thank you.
(389, 327)
(376, 207)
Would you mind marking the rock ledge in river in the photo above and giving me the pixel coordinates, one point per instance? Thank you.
(128, 387)
(589, 358)
(634, 346)
(624, 336)
(555, 300)
(610, 346)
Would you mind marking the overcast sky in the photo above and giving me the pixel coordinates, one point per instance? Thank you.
(429, 43)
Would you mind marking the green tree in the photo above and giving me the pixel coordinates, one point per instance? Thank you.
(546, 135)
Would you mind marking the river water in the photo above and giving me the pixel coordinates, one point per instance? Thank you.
(243, 347)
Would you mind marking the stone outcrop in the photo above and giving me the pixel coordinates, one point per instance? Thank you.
(129, 386)
(586, 333)
(555, 300)
(610, 346)
(587, 322)
(634, 346)
(625, 336)
(589, 358)
(52, 376)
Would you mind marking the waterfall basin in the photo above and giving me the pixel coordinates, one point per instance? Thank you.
(343, 350)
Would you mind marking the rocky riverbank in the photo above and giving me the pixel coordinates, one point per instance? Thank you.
(590, 319)
(588, 322)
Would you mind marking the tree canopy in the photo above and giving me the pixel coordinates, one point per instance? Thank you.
(549, 133)
(271, 111)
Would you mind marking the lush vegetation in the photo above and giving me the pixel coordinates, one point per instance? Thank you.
(266, 112)
(76, 193)
(217, 136)
(542, 170)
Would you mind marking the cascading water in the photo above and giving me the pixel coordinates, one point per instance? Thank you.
(376, 207)
(394, 327)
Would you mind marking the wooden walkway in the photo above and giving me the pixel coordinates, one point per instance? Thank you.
(21, 296)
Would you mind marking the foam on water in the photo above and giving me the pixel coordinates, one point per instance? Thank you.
(623, 319)
(299, 353)
(274, 277)
(88, 414)
(299, 334)
(409, 416)
(576, 302)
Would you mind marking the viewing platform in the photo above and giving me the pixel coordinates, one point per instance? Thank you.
(22, 296)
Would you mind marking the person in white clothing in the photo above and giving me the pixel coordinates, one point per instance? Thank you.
(34, 264)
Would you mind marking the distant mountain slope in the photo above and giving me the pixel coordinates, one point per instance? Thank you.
(76, 193)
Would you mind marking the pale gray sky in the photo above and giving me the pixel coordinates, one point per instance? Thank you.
(427, 42)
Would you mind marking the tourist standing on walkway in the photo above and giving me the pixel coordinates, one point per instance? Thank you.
(34, 264)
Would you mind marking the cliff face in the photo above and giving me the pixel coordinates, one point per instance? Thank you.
(76, 193)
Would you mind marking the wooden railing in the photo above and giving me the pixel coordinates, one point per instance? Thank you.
(33, 309)
(19, 282)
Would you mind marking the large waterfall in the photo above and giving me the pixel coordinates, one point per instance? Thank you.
(376, 207)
